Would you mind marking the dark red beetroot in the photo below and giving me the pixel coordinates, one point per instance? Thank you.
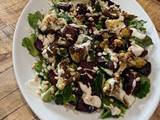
(110, 65)
(111, 13)
(87, 71)
(81, 9)
(51, 76)
(72, 31)
(64, 6)
(85, 79)
(146, 70)
(128, 76)
(144, 53)
(39, 45)
(100, 60)
(81, 106)
(98, 37)
(89, 65)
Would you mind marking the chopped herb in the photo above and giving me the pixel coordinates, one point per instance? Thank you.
(138, 24)
(38, 66)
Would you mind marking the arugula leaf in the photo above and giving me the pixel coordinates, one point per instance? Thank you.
(143, 87)
(97, 83)
(143, 43)
(138, 24)
(33, 19)
(38, 66)
(106, 113)
(29, 42)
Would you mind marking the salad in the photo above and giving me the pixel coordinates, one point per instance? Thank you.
(90, 56)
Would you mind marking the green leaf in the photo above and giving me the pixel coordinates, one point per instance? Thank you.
(38, 66)
(138, 24)
(99, 25)
(97, 7)
(58, 99)
(107, 103)
(65, 96)
(147, 41)
(143, 43)
(73, 99)
(106, 113)
(67, 93)
(66, 17)
(47, 96)
(28, 42)
(97, 83)
(143, 87)
(33, 19)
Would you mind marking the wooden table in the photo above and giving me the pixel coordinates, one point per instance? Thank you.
(12, 104)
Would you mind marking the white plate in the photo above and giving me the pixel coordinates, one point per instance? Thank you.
(141, 110)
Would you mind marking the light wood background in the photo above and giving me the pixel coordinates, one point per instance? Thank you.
(12, 104)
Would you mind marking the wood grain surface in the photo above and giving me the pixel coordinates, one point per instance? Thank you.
(12, 104)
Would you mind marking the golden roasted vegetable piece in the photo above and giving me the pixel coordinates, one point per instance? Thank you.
(77, 54)
(125, 32)
(137, 62)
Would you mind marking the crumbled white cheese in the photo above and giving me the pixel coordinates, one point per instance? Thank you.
(95, 68)
(61, 83)
(109, 85)
(92, 100)
(99, 54)
(44, 51)
(41, 37)
(50, 38)
(60, 71)
(115, 111)
(138, 34)
(46, 42)
(45, 55)
(85, 45)
(81, 38)
(88, 98)
(136, 49)
(113, 55)
(79, 68)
